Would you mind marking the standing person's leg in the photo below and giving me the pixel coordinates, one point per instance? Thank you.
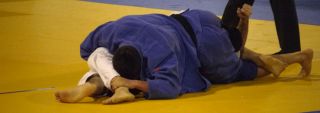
(230, 18)
(286, 20)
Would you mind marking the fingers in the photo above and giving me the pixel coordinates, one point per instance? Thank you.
(117, 82)
(107, 101)
(120, 82)
(247, 6)
(245, 11)
(239, 11)
(57, 95)
(240, 14)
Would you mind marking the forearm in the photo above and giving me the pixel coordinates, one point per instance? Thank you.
(100, 61)
(119, 81)
(140, 85)
(243, 27)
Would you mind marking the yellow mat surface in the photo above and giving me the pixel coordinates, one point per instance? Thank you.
(39, 48)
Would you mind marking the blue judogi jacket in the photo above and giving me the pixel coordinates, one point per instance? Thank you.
(219, 62)
(170, 61)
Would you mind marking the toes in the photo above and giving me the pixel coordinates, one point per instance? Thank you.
(62, 96)
(119, 98)
(303, 73)
(276, 75)
(107, 101)
(57, 95)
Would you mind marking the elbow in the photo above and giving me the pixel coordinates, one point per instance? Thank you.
(84, 52)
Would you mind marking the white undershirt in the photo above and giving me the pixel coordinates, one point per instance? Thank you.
(100, 61)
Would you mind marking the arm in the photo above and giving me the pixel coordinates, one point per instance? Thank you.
(163, 80)
(155, 89)
(140, 85)
(243, 26)
(100, 61)
(132, 84)
(163, 84)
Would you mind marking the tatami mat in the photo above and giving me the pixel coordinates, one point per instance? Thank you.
(39, 48)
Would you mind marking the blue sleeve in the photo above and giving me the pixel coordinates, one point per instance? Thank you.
(164, 82)
(88, 46)
(92, 41)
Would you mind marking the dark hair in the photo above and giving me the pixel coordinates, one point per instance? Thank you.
(127, 62)
(235, 38)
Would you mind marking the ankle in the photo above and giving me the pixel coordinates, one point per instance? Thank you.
(122, 89)
(303, 57)
(90, 88)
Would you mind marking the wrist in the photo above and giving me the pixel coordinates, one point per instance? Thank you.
(113, 83)
(244, 20)
(133, 84)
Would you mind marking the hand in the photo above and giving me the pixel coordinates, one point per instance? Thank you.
(245, 12)
(119, 81)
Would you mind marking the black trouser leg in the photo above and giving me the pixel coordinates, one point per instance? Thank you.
(286, 20)
(230, 18)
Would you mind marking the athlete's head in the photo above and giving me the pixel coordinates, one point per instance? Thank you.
(127, 62)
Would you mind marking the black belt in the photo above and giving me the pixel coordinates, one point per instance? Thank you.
(186, 25)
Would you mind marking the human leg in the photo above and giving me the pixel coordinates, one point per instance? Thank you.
(269, 63)
(261, 72)
(121, 94)
(304, 58)
(286, 21)
(277, 63)
(93, 86)
(251, 55)
(100, 61)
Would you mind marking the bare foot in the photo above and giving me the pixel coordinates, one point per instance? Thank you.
(121, 94)
(306, 64)
(75, 94)
(273, 65)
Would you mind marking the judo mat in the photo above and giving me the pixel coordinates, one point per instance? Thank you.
(307, 11)
(39, 53)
